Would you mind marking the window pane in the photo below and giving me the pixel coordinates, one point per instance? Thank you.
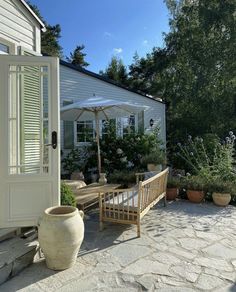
(85, 131)
(4, 49)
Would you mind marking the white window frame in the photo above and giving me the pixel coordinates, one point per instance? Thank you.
(81, 143)
(12, 46)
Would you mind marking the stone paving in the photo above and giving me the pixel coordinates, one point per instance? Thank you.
(183, 247)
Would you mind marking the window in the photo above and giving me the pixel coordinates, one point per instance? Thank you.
(128, 125)
(85, 131)
(4, 49)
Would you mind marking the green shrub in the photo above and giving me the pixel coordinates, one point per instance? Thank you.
(125, 178)
(173, 182)
(210, 159)
(219, 186)
(67, 196)
(155, 157)
(193, 183)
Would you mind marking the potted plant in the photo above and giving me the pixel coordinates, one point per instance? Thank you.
(154, 160)
(172, 190)
(195, 189)
(221, 192)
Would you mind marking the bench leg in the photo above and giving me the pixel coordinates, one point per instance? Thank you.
(165, 203)
(138, 230)
(101, 226)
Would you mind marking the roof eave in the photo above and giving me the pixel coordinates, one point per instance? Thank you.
(43, 28)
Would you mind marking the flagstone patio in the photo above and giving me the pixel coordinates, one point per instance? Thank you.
(183, 247)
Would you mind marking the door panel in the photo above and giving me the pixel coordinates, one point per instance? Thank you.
(29, 113)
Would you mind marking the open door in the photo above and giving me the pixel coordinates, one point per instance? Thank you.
(29, 138)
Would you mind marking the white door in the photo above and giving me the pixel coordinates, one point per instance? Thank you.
(29, 134)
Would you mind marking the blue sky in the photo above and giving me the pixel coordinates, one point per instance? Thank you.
(107, 27)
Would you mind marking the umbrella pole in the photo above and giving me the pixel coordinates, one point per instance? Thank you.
(98, 143)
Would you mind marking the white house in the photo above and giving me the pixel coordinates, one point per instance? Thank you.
(78, 83)
(30, 120)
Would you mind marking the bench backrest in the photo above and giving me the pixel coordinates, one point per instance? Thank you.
(152, 188)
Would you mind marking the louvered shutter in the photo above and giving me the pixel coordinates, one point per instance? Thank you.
(141, 122)
(31, 118)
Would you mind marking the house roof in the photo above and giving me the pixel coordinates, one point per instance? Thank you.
(95, 75)
(32, 13)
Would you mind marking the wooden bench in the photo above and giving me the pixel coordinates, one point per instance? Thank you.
(128, 206)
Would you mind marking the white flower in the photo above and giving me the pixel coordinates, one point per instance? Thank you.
(123, 159)
(188, 174)
(231, 133)
(119, 151)
(130, 164)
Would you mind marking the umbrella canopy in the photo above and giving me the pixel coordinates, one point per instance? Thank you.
(99, 108)
(106, 109)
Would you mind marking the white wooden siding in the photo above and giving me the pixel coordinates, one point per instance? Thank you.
(76, 85)
(18, 26)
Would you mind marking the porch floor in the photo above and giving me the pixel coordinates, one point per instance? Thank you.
(183, 247)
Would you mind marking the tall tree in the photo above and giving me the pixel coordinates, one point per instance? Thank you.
(50, 38)
(116, 71)
(200, 78)
(77, 57)
(145, 73)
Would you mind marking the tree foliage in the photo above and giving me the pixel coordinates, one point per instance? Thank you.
(195, 71)
(77, 57)
(116, 71)
(49, 38)
(200, 77)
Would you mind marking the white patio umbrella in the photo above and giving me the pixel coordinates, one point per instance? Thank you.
(99, 108)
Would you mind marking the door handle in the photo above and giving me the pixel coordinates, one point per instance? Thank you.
(54, 140)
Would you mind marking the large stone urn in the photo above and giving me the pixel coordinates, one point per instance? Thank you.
(60, 234)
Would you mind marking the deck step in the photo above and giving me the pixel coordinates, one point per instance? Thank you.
(15, 255)
(6, 233)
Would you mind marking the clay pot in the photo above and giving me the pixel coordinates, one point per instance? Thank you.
(60, 234)
(195, 196)
(102, 180)
(154, 167)
(221, 199)
(172, 193)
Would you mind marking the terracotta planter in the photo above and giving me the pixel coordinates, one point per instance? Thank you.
(154, 167)
(60, 234)
(172, 193)
(195, 196)
(221, 199)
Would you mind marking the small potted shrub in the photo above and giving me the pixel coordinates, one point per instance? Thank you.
(221, 192)
(154, 160)
(195, 189)
(67, 196)
(172, 190)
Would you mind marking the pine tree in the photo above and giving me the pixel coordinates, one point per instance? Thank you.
(77, 57)
(50, 38)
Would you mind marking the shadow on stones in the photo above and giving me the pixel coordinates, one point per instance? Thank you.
(111, 235)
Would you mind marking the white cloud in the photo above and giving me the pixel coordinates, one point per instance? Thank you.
(145, 42)
(117, 51)
(107, 34)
